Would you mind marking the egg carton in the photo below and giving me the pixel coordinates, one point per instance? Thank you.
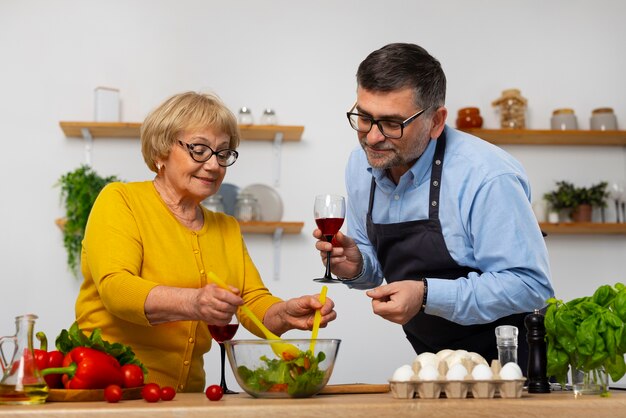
(458, 389)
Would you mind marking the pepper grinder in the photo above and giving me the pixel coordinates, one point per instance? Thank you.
(537, 355)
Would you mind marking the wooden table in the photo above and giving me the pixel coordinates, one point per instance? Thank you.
(188, 405)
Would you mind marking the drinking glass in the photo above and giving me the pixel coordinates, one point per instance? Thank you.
(329, 211)
(221, 333)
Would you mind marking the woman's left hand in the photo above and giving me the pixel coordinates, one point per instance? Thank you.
(298, 313)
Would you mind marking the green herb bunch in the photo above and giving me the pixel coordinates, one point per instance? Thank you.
(587, 333)
(79, 189)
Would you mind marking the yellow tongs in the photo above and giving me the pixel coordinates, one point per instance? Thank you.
(283, 350)
(317, 319)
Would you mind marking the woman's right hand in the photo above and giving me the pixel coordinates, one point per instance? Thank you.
(346, 259)
(215, 305)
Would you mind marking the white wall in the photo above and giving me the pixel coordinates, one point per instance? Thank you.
(299, 58)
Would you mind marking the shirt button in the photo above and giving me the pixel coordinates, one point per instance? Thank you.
(202, 271)
(435, 183)
(196, 251)
(396, 197)
(190, 340)
(186, 362)
(434, 203)
(438, 162)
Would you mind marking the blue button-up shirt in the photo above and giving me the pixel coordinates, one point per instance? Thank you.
(487, 223)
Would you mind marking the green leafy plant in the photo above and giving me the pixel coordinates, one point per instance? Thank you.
(568, 196)
(587, 333)
(79, 189)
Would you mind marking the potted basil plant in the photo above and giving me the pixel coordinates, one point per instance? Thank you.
(577, 202)
(588, 334)
(79, 190)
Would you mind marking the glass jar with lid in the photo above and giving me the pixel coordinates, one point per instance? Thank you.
(512, 107)
(214, 203)
(247, 208)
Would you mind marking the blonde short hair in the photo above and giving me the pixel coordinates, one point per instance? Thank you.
(186, 111)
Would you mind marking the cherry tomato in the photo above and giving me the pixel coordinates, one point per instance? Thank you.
(167, 393)
(113, 393)
(133, 375)
(151, 392)
(214, 392)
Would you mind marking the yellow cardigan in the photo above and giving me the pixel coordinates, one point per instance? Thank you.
(134, 243)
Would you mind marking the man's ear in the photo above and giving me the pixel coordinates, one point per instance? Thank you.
(438, 122)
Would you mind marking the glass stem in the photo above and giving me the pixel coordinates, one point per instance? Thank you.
(329, 238)
(223, 358)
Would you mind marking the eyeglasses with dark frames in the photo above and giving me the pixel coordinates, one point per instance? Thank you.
(389, 128)
(201, 153)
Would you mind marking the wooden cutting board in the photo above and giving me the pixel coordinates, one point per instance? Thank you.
(88, 395)
(355, 388)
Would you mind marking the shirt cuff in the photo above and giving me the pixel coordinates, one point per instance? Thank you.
(441, 297)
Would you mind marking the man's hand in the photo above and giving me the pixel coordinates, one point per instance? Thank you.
(398, 301)
(346, 259)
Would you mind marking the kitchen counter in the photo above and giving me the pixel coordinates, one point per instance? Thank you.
(192, 405)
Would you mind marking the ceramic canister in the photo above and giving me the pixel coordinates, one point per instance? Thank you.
(469, 117)
(603, 119)
(563, 120)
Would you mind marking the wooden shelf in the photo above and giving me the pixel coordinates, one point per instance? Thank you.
(550, 137)
(247, 227)
(268, 132)
(271, 227)
(131, 130)
(583, 228)
(101, 129)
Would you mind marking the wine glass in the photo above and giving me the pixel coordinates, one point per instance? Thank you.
(221, 333)
(329, 212)
(616, 192)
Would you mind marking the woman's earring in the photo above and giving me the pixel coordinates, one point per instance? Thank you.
(158, 166)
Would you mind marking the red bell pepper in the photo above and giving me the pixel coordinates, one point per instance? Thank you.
(87, 368)
(47, 359)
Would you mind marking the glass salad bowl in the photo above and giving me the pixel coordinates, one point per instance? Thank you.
(262, 373)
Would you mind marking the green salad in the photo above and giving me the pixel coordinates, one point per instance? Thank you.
(298, 377)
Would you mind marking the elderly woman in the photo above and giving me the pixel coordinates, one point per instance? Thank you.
(149, 245)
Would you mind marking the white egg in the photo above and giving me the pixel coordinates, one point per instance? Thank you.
(428, 372)
(511, 371)
(456, 358)
(456, 372)
(402, 374)
(477, 358)
(442, 354)
(482, 372)
(428, 359)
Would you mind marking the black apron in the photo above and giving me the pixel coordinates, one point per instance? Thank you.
(416, 249)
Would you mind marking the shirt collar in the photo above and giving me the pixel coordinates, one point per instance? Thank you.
(417, 173)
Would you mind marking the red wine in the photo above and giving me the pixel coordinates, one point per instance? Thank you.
(329, 226)
(223, 333)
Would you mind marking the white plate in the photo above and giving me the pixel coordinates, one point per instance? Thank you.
(229, 194)
(269, 200)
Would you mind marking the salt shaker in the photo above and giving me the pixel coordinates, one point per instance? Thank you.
(269, 117)
(506, 340)
(537, 353)
(245, 116)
